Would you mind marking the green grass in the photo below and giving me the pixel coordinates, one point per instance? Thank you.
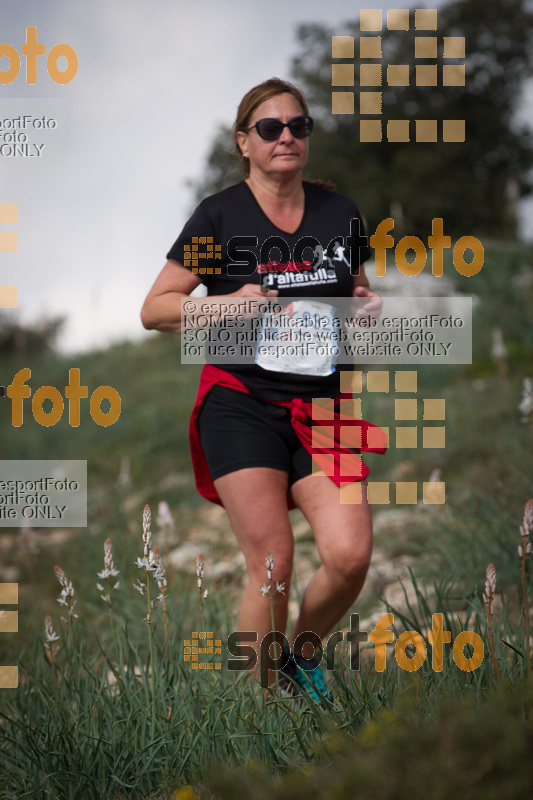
(95, 723)
(110, 719)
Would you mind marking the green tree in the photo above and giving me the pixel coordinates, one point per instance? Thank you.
(24, 340)
(473, 185)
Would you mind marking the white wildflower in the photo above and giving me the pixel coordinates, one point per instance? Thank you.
(200, 563)
(51, 649)
(269, 564)
(159, 573)
(147, 534)
(107, 573)
(66, 598)
(153, 569)
(147, 562)
(109, 570)
(144, 563)
(280, 587)
(51, 635)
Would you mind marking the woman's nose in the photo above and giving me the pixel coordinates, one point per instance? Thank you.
(286, 135)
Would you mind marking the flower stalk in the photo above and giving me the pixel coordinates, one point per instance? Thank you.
(66, 598)
(200, 564)
(160, 577)
(267, 590)
(148, 564)
(51, 649)
(488, 599)
(107, 574)
(524, 551)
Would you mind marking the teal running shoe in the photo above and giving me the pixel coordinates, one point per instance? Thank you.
(309, 676)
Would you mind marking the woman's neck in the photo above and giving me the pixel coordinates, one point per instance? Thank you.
(278, 196)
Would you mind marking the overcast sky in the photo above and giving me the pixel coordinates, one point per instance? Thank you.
(154, 82)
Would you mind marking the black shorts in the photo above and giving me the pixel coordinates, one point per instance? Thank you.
(239, 430)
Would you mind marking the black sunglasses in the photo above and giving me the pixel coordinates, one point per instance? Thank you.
(270, 129)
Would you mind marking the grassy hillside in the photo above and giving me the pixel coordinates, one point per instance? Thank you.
(86, 726)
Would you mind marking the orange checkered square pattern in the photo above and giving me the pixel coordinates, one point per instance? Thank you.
(200, 649)
(202, 249)
(331, 433)
(427, 47)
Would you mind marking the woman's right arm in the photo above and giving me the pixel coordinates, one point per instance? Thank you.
(161, 310)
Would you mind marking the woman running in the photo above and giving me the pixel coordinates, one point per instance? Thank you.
(251, 428)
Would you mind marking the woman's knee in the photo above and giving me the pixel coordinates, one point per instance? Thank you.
(349, 562)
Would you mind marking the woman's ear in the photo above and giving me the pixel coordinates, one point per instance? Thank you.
(241, 141)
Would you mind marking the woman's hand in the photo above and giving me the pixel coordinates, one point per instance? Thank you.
(368, 304)
(253, 290)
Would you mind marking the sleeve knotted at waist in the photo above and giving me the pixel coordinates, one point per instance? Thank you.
(328, 434)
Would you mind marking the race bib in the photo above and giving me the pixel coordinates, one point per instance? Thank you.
(302, 339)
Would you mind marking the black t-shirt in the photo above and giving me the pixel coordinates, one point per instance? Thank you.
(314, 261)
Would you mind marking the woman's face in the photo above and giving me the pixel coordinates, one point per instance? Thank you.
(284, 156)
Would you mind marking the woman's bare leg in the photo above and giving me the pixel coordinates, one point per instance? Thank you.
(343, 535)
(255, 500)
